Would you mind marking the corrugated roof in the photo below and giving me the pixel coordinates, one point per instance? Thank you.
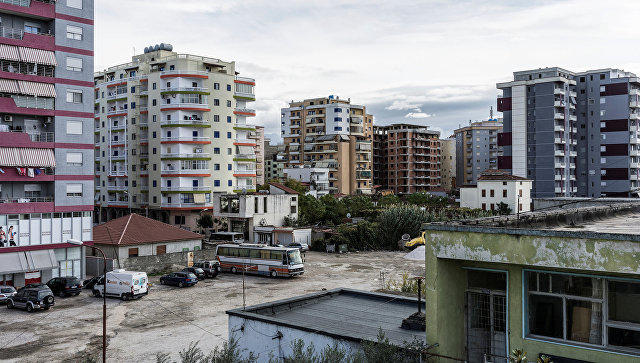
(499, 175)
(135, 229)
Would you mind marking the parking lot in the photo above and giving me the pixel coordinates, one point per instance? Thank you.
(169, 318)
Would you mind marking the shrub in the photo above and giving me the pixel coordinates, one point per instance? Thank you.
(397, 220)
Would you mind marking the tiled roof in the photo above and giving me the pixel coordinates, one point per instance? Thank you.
(499, 175)
(135, 229)
(284, 188)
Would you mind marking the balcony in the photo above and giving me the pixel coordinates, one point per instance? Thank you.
(34, 102)
(179, 123)
(558, 128)
(559, 153)
(185, 189)
(204, 156)
(634, 104)
(197, 90)
(244, 112)
(185, 171)
(117, 187)
(187, 205)
(189, 106)
(558, 103)
(558, 91)
(184, 74)
(558, 116)
(186, 139)
(243, 171)
(558, 190)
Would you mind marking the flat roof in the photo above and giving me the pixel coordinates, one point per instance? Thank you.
(341, 313)
(625, 224)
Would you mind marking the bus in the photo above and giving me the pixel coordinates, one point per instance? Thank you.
(260, 259)
(226, 237)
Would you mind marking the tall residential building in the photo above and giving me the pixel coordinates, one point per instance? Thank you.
(274, 161)
(170, 129)
(379, 156)
(332, 133)
(412, 162)
(476, 150)
(448, 163)
(258, 136)
(590, 118)
(46, 148)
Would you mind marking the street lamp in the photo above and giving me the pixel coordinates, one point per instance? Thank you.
(104, 296)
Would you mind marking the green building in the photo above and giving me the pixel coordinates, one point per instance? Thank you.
(562, 283)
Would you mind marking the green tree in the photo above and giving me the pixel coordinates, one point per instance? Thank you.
(400, 219)
(311, 210)
(503, 208)
(388, 200)
(361, 236)
(426, 199)
(296, 185)
(334, 209)
(205, 221)
(357, 205)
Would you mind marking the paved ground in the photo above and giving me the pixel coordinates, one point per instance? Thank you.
(169, 318)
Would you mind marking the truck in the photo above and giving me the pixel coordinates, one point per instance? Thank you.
(123, 284)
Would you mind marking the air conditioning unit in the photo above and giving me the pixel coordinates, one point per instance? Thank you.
(8, 118)
(48, 120)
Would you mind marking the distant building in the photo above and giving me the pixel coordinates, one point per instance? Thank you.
(448, 163)
(560, 282)
(476, 150)
(274, 162)
(330, 132)
(258, 136)
(410, 156)
(316, 178)
(247, 211)
(339, 317)
(495, 187)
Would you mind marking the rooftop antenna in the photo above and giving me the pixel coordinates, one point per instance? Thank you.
(491, 113)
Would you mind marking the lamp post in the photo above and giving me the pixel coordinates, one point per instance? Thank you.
(104, 296)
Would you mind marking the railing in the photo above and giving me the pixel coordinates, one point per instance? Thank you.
(184, 122)
(183, 155)
(12, 33)
(186, 138)
(186, 104)
(185, 89)
(244, 171)
(185, 171)
(26, 200)
(246, 110)
(117, 187)
(117, 110)
(118, 172)
(33, 102)
(186, 189)
(25, 3)
(184, 71)
(245, 79)
(42, 136)
(25, 68)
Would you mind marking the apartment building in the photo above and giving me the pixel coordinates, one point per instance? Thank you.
(412, 162)
(258, 136)
(379, 157)
(590, 118)
(332, 133)
(170, 129)
(316, 178)
(448, 163)
(274, 162)
(476, 150)
(46, 149)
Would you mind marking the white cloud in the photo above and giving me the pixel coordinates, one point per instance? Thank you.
(403, 105)
(418, 115)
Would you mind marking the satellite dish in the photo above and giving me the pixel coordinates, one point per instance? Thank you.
(348, 215)
(263, 222)
(406, 237)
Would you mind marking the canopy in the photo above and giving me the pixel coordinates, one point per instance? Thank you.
(27, 157)
(37, 89)
(9, 52)
(38, 56)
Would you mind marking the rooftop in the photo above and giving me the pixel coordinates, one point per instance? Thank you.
(135, 229)
(340, 313)
(498, 175)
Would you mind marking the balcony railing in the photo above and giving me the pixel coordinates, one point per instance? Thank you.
(25, 68)
(26, 200)
(184, 122)
(185, 171)
(244, 171)
(185, 89)
(186, 138)
(246, 110)
(33, 102)
(185, 189)
(8, 32)
(184, 155)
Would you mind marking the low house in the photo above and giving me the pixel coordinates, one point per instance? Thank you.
(129, 240)
(341, 317)
(562, 282)
(495, 187)
(269, 208)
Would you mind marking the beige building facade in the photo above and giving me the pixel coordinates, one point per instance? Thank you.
(448, 163)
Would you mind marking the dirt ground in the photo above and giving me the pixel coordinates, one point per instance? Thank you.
(169, 318)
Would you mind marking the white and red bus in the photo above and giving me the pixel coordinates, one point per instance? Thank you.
(260, 259)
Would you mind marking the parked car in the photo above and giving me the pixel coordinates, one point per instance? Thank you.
(211, 268)
(90, 283)
(303, 247)
(180, 279)
(65, 286)
(200, 274)
(123, 284)
(5, 293)
(32, 298)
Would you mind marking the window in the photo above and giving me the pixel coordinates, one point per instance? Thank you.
(264, 199)
(504, 193)
(74, 96)
(228, 119)
(216, 118)
(228, 135)
(74, 127)
(491, 193)
(228, 103)
(293, 209)
(256, 204)
(216, 150)
(229, 166)
(216, 183)
(133, 252)
(216, 86)
(576, 309)
(74, 190)
(74, 64)
(229, 183)
(216, 134)
(216, 102)
(228, 87)
(32, 28)
(74, 158)
(484, 193)
(179, 219)
(74, 32)
(216, 166)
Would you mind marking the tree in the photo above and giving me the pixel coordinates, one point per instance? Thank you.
(400, 219)
(296, 185)
(361, 236)
(205, 221)
(334, 209)
(357, 205)
(388, 200)
(503, 208)
(310, 210)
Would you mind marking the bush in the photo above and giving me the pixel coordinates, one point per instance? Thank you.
(397, 220)
(361, 236)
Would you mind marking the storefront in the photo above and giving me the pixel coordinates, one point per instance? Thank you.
(39, 266)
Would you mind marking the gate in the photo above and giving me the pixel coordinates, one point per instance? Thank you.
(486, 326)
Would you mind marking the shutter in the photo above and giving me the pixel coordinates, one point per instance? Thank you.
(74, 188)
(74, 127)
(74, 158)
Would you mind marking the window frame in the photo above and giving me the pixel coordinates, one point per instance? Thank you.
(74, 35)
(74, 68)
(605, 322)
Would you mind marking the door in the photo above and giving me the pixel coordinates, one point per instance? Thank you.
(486, 326)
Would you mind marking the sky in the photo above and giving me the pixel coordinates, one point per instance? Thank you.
(433, 63)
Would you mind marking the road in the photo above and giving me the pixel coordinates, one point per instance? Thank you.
(169, 318)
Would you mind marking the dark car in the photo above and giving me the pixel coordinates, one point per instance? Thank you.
(180, 279)
(200, 274)
(211, 268)
(65, 286)
(6, 292)
(32, 298)
(90, 283)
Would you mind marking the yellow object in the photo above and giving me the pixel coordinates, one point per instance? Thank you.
(416, 241)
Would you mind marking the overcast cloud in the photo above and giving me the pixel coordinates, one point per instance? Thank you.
(429, 62)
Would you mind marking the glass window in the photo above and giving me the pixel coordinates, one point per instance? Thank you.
(74, 96)
(74, 32)
(74, 4)
(74, 64)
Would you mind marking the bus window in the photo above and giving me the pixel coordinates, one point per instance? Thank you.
(243, 252)
(223, 251)
(276, 255)
(232, 252)
(254, 254)
(265, 254)
(294, 257)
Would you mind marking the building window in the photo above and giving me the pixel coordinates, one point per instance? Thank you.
(216, 134)
(74, 64)
(216, 102)
(293, 209)
(228, 87)
(74, 158)
(74, 96)
(484, 193)
(216, 150)
(256, 205)
(133, 252)
(228, 135)
(74, 127)
(228, 119)
(228, 103)
(216, 118)
(74, 32)
(264, 199)
(492, 193)
(216, 166)
(504, 193)
(216, 183)
(216, 86)
(74, 190)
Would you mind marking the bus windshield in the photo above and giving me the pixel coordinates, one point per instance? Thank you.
(294, 258)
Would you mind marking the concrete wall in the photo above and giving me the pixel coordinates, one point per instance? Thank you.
(258, 337)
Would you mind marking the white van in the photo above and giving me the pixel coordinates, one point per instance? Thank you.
(124, 284)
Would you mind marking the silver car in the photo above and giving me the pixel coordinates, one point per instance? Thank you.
(5, 293)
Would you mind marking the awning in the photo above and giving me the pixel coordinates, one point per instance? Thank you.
(37, 89)
(44, 158)
(9, 86)
(16, 262)
(39, 56)
(9, 52)
(27, 157)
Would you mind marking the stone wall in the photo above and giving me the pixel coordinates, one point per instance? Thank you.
(166, 262)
